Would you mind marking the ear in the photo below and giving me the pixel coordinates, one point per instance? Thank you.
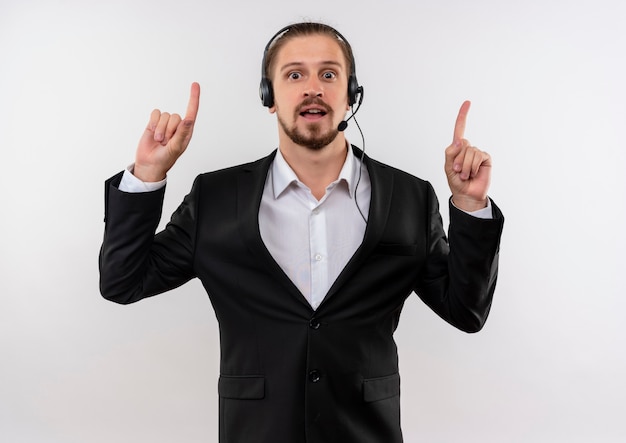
(272, 109)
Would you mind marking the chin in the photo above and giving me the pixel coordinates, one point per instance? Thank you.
(316, 142)
(311, 137)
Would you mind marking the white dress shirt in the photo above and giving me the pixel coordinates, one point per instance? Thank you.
(312, 240)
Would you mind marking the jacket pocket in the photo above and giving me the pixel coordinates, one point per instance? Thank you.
(380, 388)
(244, 387)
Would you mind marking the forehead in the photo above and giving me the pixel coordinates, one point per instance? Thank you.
(310, 49)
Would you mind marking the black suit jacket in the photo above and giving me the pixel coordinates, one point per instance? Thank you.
(289, 374)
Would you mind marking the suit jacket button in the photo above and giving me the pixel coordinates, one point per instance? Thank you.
(314, 323)
(314, 376)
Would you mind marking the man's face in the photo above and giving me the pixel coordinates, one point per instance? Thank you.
(310, 82)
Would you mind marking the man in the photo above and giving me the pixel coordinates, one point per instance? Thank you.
(308, 254)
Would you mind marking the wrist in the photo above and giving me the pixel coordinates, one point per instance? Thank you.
(148, 174)
(469, 204)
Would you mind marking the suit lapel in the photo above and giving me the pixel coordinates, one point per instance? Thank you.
(250, 186)
(381, 179)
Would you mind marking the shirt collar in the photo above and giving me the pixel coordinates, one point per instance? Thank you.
(283, 176)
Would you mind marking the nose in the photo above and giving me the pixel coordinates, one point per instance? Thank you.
(313, 88)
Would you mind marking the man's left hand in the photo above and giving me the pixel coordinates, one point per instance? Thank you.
(468, 168)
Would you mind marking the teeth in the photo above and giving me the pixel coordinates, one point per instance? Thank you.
(313, 112)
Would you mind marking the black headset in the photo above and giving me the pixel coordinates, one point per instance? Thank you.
(266, 91)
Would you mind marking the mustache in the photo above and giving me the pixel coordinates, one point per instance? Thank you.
(310, 101)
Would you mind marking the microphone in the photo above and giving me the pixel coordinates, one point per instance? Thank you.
(344, 123)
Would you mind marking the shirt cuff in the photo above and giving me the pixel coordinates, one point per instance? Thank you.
(132, 184)
(484, 213)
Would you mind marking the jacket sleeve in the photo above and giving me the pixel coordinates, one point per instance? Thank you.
(134, 263)
(460, 274)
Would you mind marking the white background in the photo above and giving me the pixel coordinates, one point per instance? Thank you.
(78, 80)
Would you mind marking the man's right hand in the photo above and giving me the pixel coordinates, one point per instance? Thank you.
(165, 139)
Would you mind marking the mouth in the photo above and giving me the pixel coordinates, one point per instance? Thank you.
(313, 112)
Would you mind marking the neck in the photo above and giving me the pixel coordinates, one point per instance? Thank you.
(316, 168)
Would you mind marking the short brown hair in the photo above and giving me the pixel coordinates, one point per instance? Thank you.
(300, 30)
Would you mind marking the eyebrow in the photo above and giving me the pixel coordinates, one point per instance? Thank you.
(297, 64)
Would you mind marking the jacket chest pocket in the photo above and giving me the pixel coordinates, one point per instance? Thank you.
(396, 249)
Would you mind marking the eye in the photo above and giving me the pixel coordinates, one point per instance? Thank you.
(329, 75)
(294, 75)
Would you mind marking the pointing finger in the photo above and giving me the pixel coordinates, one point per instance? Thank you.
(184, 131)
(194, 102)
(459, 126)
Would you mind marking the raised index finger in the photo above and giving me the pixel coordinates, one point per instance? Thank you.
(194, 102)
(459, 126)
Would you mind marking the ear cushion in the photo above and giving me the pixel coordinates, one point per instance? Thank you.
(266, 92)
(353, 89)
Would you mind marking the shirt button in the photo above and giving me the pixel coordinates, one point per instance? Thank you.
(314, 376)
(318, 257)
(314, 323)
